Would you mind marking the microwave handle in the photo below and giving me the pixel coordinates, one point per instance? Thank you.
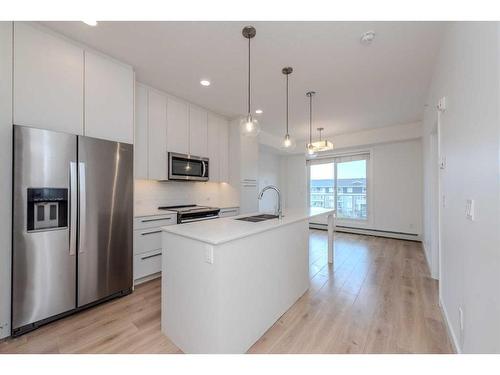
(204, 168)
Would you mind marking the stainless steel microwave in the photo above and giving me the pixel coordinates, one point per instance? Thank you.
(187, 167)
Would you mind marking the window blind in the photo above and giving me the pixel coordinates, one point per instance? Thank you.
(341, 158)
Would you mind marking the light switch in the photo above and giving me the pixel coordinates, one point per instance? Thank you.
(469, 209)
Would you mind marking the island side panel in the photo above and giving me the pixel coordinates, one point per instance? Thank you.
(227, 305)
(189, 296)
(261, 277)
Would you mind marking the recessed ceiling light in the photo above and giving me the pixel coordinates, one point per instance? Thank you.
(205, 82)
(259, 111)
(367, 37)
(90, 23)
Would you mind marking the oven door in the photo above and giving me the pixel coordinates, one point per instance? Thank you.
(187, 167)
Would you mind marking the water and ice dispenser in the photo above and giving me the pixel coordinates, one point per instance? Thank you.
(47, 208)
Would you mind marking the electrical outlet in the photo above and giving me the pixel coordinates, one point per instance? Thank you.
(469, 209)
(443, 201)
(442, 162)
(209, 254)
(441, 106)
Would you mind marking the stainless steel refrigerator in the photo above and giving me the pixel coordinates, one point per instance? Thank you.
(72, 224)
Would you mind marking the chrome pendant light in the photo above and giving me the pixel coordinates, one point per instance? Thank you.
(310, 150)
(322, 145)
(249, 126)
(288, 142)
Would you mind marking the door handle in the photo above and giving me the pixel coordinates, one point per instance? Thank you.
(73, 204)
(83, 207)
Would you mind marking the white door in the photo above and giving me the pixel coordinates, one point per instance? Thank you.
(141, 132)
(48, 80)
(109, 99)
(177, 126)
(157, 136)
(198, 131)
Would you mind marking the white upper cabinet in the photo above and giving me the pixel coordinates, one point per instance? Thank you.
(224, 151)
(48, 80)
(157, 136)
(109, 99)
(141, 132)
(198, 131)
(214, 127)
(177, 126)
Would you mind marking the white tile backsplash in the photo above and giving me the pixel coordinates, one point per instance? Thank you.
(151, 194)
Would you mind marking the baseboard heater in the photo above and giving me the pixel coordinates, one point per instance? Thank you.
(368, 231)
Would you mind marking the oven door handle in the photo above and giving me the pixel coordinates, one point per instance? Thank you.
(199, 219)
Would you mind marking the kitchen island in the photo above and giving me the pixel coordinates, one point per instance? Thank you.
(226, 281)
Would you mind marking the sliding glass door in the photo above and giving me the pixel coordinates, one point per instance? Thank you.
(340, 182)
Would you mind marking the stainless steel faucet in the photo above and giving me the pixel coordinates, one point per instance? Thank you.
(272, 187)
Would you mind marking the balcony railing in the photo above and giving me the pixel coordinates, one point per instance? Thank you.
(349, 206)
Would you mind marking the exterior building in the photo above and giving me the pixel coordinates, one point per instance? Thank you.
(350, 194)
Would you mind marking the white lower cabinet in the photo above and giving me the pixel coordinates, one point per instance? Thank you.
(147, 264)
(147, 245)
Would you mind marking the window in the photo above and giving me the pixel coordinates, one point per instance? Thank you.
(340, 182)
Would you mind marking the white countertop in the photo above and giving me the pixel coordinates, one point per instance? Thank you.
(150, 211)
(218, 231)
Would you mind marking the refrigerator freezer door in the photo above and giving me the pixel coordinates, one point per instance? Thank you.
(44, 268)
(106, 218)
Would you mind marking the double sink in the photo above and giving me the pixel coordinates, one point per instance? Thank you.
(258, 218)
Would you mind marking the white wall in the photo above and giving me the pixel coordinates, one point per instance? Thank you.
(149, 194)
(467, 74)
(394, 187)
(294, 181)
(269, 174)
(5, 174)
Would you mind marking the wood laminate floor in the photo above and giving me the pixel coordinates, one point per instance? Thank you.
(379, 298)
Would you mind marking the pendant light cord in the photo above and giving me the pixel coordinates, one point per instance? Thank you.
(287, 104)
(310, 118)
(249, 82)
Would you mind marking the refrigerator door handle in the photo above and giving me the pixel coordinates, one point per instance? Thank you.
(83, 207)
(73, 191)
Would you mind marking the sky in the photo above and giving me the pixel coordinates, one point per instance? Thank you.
(352, 169)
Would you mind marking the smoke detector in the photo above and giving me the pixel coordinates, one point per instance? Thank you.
(367, 38)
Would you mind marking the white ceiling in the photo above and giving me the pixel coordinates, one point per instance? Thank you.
(358, 87)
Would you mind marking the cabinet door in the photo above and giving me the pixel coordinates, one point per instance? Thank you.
(214, 125)
(198, 131)
(177, 126)
(249, 158)
(141, 132)
(157, 135)
(109, 99)
(48, 81)
(224, 151)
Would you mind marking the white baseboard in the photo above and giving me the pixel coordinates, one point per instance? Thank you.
(449, 328)
(429, 266)
(147, 278)
(369, 232)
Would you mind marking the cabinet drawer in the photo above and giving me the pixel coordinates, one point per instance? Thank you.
(156, 221)
(147, 264)
(147, 240)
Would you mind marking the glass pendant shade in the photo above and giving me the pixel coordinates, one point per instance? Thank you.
(249, 126)
(288, 143)
(310, 151)
(321, 146)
